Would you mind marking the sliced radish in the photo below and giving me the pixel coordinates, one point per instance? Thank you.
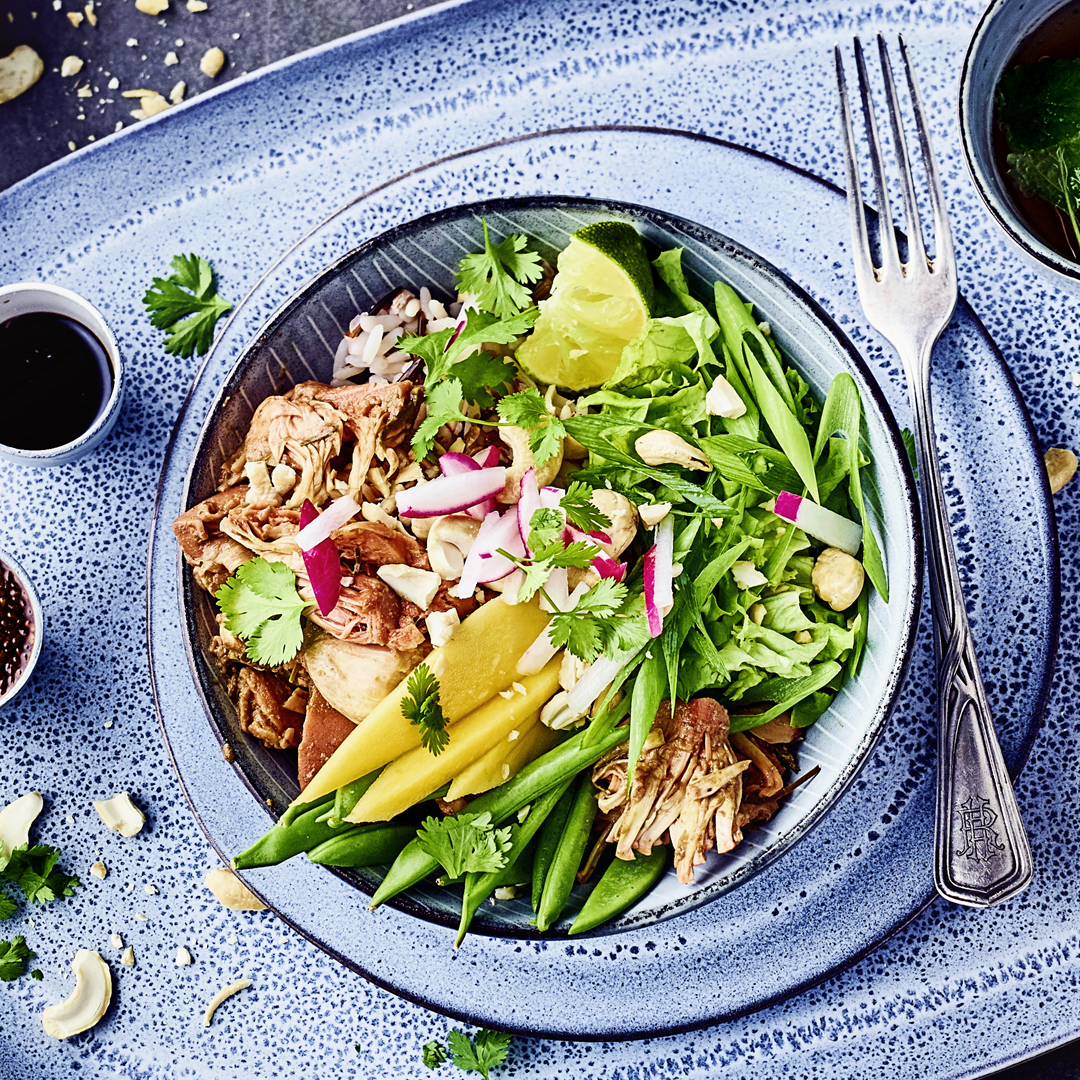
(322, 525)
(487, 458)
(451, 494)
(454, 464)
(322, 563)
(551, 497)
(466, 585)
(665, 551)
(537, 655)
(607, 567)
(527, 505)
(652, 612)
(505, 535)
(818, 522)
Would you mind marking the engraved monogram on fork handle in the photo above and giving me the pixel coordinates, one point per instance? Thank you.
(982, 855)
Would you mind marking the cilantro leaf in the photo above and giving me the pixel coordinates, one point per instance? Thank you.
(545, 528)
(490, 1050)
(421, 707)
(14, 956)
(581, 510)
(444, 407)
(605, 619)
(434, 1054)
(186, 306)
(7, 906)
(261, 605)
(37, 974)
(465, 843)
(482, 373)
(35, 871)
(498, 275)
(527, 409)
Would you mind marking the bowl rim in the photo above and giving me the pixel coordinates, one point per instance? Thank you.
(110, 409)
(37, 624)
(984, 184)
(715, 241)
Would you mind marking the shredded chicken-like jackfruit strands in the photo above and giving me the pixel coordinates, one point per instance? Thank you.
(687, 789)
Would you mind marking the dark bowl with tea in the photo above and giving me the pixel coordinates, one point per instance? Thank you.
(61, 375)
(1020, 126)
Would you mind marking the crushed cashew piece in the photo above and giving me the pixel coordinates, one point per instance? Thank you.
(183, 957)
(131, 42)
(224, 994)
(508, 694)
(171, 59)
(1060, 467)
(128, 959)
(213, 60)
(150, 890)
(19, 70)
(91, 18)
(85, 91)
(197, 5)
(75, 18)
(114, 83)
(231, 891)
(116, 941)
(99, 870)
(152, 7)
(176, 94)
(120, 814)
(71, 144)
(72, 65)
(150, 105)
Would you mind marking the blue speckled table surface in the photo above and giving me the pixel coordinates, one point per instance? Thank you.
(243, 173)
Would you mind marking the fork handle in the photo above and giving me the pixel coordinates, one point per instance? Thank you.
(982, 856)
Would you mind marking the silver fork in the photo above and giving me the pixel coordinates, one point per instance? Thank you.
(981, 852)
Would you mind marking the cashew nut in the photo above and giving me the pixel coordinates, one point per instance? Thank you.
(411, 583)
(518, 441)
(623, 515)
(231, 891)
(449, 541)
(723, 400)
(120, 814)
(15, 821)
(1060, 467)
(442, 625)
(666, 448)
(652, 514)
(261, 491)
(19, 70)
(837, 578)
(88, 1001)
(747, 575)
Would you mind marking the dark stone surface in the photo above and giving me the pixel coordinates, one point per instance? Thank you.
(38, 127)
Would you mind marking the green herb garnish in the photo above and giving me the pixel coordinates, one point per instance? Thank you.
(14, 956)
(499, 274)
(421, 708)
(434, 1054)
(261, 605)
(489, 1050)
(465, 843)
(186, 306)
(527, 409)
(35, 871)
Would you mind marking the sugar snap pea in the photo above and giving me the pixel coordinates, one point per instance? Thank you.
(480, 886)
(546, 843)
(623, 883)
(567, 858)
(283, 841)
(363, 845)
(541, 775)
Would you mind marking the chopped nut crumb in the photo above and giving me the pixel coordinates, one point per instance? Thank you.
(519, 688)
(197, 5)
(119, 125)
(99, 870)
(171, 59)
(213, 60)
(114, 83)
(223, 994)
(129, 957)
(72, 65)
(1060, 467)
(132, 42)
(85, 91)
(236, 37)
(116, 941)
(508, 694)
(183, 957)
(150, 890)
(57, 5)
(75, 17)
(91, 18)
(152, 7)
(150, 105)
(177, 94)
(141, 917)
(179, 42)
(71, 145)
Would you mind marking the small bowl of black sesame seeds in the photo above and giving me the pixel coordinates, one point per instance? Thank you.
(20, 627)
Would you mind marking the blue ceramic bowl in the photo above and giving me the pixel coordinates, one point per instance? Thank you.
(1004, 25)
(298, 342)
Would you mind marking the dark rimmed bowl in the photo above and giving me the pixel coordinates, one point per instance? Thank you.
(30, 648)
(298, 342)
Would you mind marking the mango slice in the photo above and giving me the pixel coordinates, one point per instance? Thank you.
(413, 776)
(504, 759)
(477, 663)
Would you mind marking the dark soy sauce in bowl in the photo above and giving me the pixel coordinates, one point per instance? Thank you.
(1056, 38)
(55, 380)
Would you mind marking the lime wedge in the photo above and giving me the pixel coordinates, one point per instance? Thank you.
(600, 300)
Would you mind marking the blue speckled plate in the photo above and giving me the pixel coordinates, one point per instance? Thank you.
(239, 174)
(852, 881)
(298, 343)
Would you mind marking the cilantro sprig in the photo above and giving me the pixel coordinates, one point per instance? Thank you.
(581, 510)
(527, 409)
(35, 871)
(465, 843)
(489, 1050)
(14, 956)
(498, 275)
(421, 707)
(261, 605)
(186, 305)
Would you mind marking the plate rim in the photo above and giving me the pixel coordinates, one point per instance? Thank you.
(1049, 538)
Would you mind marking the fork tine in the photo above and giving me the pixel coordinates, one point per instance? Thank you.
(916, 235)
(942, 233)
(890, 257)
(863, 261)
